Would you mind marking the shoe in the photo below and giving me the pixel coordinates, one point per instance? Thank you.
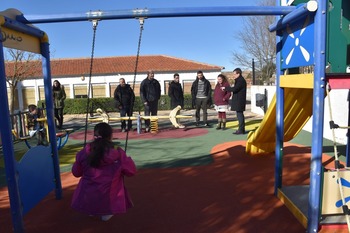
(32, 133)
(147, 130)
(238, 132)
(123, 130)
(224, 126)
(106, 217)
(206, 125)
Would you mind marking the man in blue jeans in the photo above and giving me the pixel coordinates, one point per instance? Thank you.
(201, 97)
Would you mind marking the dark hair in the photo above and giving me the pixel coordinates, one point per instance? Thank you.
(238, 71)
(224, 78)
(199, 72)
(176, 74)
(101, 145)
(54, 88)
(31, 107)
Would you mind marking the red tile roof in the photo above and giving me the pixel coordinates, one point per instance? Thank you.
(121, 65)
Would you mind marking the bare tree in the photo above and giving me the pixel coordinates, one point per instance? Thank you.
(257, 43)
(19, 65)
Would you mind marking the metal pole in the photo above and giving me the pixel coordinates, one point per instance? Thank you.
(298, 13)
(45, 52)
(253, 66)
(8, 150)
(318, 117)
(158, 13)
(279, 120)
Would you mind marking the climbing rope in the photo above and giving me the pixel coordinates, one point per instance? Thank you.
(94, 27)
(338, 166)
(141, 21)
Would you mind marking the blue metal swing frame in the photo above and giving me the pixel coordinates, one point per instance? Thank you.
(289, 15)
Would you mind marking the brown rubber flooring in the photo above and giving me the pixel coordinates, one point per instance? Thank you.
(232, 194)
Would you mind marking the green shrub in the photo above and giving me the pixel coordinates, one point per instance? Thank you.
(79, 105)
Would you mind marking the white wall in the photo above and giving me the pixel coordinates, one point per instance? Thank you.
(114, 79)
(339, 107)
(261, 90)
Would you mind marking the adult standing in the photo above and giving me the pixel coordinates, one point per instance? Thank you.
(221, 99)
(59, 96)
(175, 92)
(124, 97)
(150, 94)
(239, 98)
(201, 97)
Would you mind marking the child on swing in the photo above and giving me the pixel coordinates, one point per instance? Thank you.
(101, 191)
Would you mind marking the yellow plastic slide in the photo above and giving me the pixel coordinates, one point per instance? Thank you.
(297, 111)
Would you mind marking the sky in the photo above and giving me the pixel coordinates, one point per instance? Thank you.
(208, 40)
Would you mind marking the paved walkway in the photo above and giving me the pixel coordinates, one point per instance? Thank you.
(78, 120)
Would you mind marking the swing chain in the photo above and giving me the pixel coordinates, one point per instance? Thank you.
(94, 27)
(141, 21)
(94, 24)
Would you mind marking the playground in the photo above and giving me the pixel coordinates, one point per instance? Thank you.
(188, 180)
(208, 185)
(197, 179)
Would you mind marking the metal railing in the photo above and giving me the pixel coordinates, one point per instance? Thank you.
(19, 123)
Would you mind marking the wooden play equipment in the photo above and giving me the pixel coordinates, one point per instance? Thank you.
(173, 116)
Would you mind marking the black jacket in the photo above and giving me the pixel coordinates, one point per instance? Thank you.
(150, 90)
(124, 96)
(239, 94)
(207, 90)
(176, 94)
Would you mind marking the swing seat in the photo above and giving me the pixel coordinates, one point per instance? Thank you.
(23, 138)
(63, 134)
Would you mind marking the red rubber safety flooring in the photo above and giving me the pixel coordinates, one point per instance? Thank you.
(233, 194)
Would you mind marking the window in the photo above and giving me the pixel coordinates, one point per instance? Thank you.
(98, 90)
(80, 91)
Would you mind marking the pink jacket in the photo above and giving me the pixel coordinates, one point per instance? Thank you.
(101, 191)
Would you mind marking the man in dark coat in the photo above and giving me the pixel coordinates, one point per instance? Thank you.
(175, 92)
(239, 98)
(150, 94)
(124, 97)
(201, 97)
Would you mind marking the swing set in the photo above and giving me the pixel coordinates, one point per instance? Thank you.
(15, 26)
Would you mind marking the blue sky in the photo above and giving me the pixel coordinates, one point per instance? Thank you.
(204, 39)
